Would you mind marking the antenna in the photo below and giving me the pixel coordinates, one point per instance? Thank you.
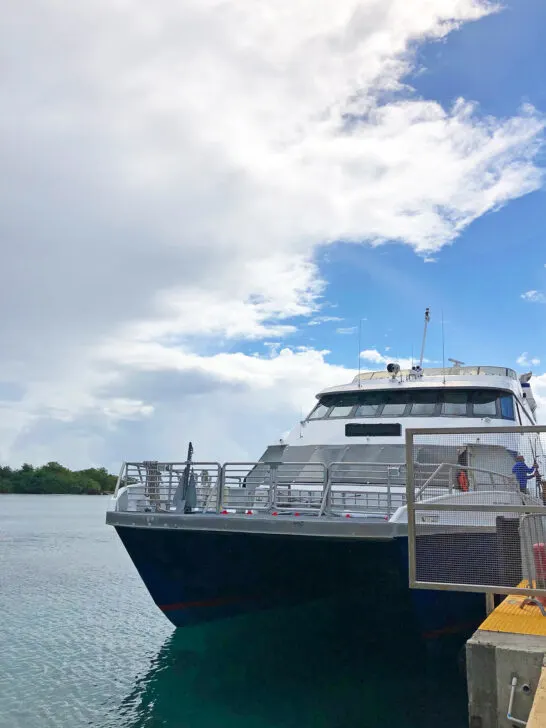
(427, 319)
(359, 347)
(443, 349)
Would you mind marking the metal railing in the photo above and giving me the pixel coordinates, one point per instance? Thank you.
(445, 476)
(154, 484)
(367, 489)
(306, 488)
(490, 535)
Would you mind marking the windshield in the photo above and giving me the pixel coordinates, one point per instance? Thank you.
(433, 402)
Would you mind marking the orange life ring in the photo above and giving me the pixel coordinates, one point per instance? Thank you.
(462, 480)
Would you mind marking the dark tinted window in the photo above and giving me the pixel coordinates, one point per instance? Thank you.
(454, 402)
(384, 429)
(423, 402)
(394, 402)
(343, 404)
(484, 403)
(507, 406)
(319, 411)
(370, 403)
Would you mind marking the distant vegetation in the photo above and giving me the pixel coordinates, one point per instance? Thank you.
(54, 478)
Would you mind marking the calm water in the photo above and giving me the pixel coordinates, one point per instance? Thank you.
(83, 645)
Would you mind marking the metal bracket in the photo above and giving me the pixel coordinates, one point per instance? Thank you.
(535, 602)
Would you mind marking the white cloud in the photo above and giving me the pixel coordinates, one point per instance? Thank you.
(534, 296)
(245, 401)
(374, 357)
(538, 385)
(323, 320)
(524, 361)
(346, 330)
(172, 176)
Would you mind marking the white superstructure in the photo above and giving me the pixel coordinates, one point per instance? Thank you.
(379, 403)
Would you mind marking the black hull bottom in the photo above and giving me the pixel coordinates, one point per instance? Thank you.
(197, 576)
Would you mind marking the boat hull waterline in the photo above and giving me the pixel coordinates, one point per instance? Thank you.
(197, 575)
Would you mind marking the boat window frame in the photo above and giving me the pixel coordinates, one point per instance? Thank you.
(437, 413)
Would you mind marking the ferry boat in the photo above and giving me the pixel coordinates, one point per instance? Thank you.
(324, 512)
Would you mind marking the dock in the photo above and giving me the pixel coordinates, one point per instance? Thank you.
(506, 667)
(491, 543)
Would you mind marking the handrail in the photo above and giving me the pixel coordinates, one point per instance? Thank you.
(325, 493)
(268, 486)
(118, 481)
(428, 480)
(459, 467)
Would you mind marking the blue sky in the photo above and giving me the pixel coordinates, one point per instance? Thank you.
(477, 281)
(202, 195)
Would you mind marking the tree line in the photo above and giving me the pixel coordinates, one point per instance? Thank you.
(55, 478)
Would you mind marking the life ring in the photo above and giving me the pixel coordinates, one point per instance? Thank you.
(462, 481)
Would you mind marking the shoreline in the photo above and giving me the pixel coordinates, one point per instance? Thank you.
(86, 494)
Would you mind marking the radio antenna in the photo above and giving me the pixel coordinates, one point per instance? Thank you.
(359, 346)
(427, 319)
(443, 349)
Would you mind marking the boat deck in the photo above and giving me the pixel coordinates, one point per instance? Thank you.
(359, 527)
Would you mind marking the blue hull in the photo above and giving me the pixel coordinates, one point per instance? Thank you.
(197, 576)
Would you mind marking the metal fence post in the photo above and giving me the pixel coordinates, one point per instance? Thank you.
(170, 483)
(410, 500)
(326, 491)
(273, 485)
(221, 483)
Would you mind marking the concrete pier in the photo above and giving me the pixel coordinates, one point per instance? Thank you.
(505, 662)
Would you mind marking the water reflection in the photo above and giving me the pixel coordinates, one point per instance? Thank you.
(335, 665)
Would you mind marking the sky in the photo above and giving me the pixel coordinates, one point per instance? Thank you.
(203, 203)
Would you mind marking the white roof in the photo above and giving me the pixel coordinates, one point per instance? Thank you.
(478, 376)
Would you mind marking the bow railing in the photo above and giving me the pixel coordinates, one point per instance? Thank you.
(375, 489)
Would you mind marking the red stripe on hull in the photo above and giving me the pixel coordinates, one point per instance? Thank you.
(216, 602)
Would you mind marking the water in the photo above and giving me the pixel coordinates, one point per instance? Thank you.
(84, 645)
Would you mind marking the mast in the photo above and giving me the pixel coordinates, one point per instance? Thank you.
(427, 319)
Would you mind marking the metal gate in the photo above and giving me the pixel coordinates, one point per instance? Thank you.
(476, 518)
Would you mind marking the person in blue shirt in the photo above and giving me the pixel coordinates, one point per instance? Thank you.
(523, 473)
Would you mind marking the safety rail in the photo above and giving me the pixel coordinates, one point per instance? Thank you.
(449, 480)
(388, 481)
(282, 487)
(153, 485)
(372, 489)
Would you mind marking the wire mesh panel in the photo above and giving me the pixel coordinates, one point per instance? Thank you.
(476, 510)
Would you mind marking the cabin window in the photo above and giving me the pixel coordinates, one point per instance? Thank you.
(446, 402)
(395, 403)
(423, 402)
(343, 404)
(507, 406)
(484, 403)
(454, 402)
(370, 404)
(319, 411)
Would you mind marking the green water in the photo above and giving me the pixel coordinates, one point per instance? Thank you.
(83, 645)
